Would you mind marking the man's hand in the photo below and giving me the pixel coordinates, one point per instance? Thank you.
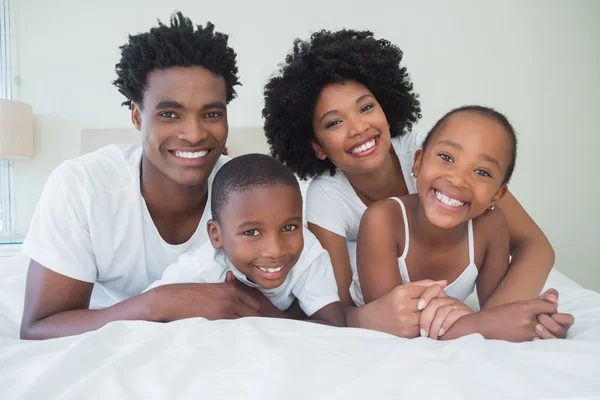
(210, 301)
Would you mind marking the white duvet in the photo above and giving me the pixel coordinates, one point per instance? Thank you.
(277, 359)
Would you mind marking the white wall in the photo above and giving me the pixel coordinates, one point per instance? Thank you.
(535, 60)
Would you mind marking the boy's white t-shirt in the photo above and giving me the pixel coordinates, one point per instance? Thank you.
(311, 280)
(92, 224)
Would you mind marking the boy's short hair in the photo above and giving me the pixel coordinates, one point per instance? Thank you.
(177, 45)
(488, 112)
(332, 57)
(247, 172)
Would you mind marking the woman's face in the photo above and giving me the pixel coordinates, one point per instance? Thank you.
(351, 128)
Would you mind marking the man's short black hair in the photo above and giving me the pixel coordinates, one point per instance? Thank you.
(177, 45)
(247, 172)
(333, 57)
(488, 112)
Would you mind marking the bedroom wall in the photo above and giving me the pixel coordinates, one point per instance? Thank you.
(537, 61)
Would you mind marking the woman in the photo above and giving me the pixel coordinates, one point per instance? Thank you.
(341, 111)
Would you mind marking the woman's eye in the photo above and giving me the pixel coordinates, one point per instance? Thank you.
(252, 232)
(333, 123)
(445, 157)
(289, 228)
(366, 107)
(482, 173)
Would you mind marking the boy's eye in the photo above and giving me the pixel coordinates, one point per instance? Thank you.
(333, 123)
(252, 232)
(366, 107)
(445, 157)
(168, 114)
(483, 173)
(289, 228)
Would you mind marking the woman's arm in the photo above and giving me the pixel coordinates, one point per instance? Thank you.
(377, 250)
(532, 256)
(337, 248)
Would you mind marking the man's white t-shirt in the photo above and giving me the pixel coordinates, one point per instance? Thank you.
(311, 280)
(332, 203)
(92, 224)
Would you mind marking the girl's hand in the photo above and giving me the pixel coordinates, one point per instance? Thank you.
(439, 314)
(554, 325)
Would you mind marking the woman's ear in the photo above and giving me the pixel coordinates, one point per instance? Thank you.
(136, 116)
(318, 150)
(214, 234)
(417, 163)
(501, 192)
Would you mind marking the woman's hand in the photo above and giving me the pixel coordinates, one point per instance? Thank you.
(439, 314)
(554, 325)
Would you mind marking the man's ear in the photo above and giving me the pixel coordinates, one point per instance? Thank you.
(214, 234)
(136, 116)
(501, 192)
(417, 163)
(318, 150)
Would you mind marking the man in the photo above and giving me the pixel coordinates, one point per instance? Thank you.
(108, 223)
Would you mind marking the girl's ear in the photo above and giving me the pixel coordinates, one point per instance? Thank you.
(417, 163)
(214, 234)
(501, 192)
(318, 150)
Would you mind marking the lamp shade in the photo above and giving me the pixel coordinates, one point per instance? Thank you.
(16, 130)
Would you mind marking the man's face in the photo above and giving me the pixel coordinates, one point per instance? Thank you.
(183, 120)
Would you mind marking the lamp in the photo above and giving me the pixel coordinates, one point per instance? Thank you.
(16, 142)
(16, 130)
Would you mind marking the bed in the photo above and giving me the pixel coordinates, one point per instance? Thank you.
(274, 359)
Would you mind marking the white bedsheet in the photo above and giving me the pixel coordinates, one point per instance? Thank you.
(277, 359)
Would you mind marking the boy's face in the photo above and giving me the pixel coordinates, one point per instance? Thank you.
(461, 173)
(183, 120)
(260, 229)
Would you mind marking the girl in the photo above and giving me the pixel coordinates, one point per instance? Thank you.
(462, 171)
(340, 111)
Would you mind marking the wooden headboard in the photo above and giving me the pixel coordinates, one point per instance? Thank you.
(241, 139)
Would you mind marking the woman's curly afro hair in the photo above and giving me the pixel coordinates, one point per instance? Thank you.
(182, 44)
(338, 57)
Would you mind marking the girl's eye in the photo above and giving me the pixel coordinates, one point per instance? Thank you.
(333, 123)
(252, 232)
(366, 107)
(445, 157)
(168, 114)
(483, 173)
(289, 228)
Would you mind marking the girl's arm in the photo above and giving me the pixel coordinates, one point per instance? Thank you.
(337, 248)
(532, 256)
(377, 250)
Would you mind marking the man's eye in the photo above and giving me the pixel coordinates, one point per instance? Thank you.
(289, 228)
(168, 114)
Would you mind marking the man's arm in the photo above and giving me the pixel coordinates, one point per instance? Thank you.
(57, 306)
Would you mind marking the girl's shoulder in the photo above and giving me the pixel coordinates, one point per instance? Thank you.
(489, 225)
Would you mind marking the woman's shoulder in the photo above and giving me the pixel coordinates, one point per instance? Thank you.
(327, 185)
(408, 142)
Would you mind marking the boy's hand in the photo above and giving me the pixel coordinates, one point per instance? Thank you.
(440, 314)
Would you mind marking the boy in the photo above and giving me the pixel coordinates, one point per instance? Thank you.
(256, 235)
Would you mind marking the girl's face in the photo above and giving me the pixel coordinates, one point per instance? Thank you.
(461, 172)
(351, 128)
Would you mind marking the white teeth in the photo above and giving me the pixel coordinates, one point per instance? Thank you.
(447, 200)
(364, 147)
(189, 154)
(271, 270)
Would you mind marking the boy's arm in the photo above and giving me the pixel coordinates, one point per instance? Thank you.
(331, 314)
